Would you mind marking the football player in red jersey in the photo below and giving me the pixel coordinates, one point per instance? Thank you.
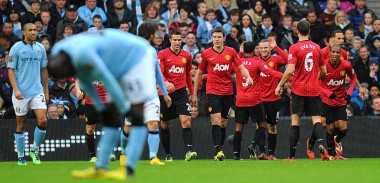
(334, 101)
(218, 60)
(268, 83)
(336, 38)
(305, 62)
(248, 103)
(175, 65)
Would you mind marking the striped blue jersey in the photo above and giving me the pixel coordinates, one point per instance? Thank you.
(27, 61)
(106, 56)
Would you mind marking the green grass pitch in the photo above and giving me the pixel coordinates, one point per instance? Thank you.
(303, 170)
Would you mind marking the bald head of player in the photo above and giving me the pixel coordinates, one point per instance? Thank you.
(30, 33)
(60, 66)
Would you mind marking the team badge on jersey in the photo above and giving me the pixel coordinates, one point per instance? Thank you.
(271, 64)
(227, 57)
(11, 58)
(342, 73)
(184, 60)
(39, 53)
(290, 56)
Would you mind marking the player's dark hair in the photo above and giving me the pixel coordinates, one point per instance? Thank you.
(249, 46)
(335, 32)
(174, 32)
(334, 46)
(303, 27)
(194, 63)
(147, 29)
(218, 29)
(60, 66)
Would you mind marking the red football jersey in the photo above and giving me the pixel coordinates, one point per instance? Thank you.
(248, 96)
(267, 82)
(326, 53)
(219, 68)
(102, 93)
(334, 82)
(176, 68)
(306, 57)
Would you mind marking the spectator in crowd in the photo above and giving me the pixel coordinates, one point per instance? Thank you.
(233, 38)
(223, 11)
(376, 106)
(266, 27)
(375, 48)
(201, 10)
(78, 100)
(248, 29)
(15, 17)
(348, 35)
(279, 12)
(317, 29)
(71, 17)
(52, 111)
(375, 32)
(289, 40)
(361, 67)
(88, 11)
(191, 44)
(39, 29)
(158, 42)
(5, 9)
(197, 58)
(7, 34)
(58, 11)
(124, 26)
(62, 109)
(47, 44)
(46, 4)
(214, 4)
(97, 22)
(328, 15)
(6, 88)
(234, 19)
(119, 13)
(356, 15)
(151, 15)
(353, 55)
(59, 91)
(184, 17)
(69, 29)
(300, 10)
(374, 74)
(341, 22)
(204, 30)
(366, 27)
(172, 13)
(373, 92)
(256, 13)
(284, 28)
(34, 12)
(47, 25)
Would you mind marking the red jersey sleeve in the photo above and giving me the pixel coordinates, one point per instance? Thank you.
(202, 66)
(283, 55)
(161, 61)
(236, 59)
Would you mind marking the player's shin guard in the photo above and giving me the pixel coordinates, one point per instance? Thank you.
(319, 132)
(341, 135)
(216, 137)
(39, 137)
(90, 142)
(294, 137)
(123, 142)
(153, 143)
(20, 143)
(330, 144)
(165, 140)
(187, 136)
(237, 142)
(272, 142)
(136, 145)
(223, 131)
(106, 144)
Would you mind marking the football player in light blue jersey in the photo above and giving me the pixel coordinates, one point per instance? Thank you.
(124, 65)
(27, 70)
(152, 106)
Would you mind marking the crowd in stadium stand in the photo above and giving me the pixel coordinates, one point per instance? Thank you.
(243, 20)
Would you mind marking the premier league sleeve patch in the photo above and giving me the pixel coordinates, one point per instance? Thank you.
(11, 58)
(290, 56)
